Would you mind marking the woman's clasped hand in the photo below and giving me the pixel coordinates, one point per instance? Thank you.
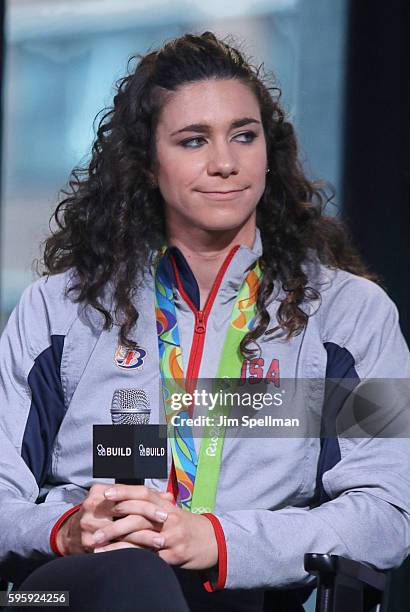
(132, 516)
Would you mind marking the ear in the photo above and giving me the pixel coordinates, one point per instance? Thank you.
(152, 179)
(153, 175)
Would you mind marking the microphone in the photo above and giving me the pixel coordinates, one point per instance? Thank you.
(130, 449)
(130, 407)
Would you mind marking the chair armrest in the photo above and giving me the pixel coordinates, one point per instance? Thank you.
(343, 584)
(328, 566)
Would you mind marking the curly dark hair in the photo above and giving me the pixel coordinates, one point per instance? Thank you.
(112, 217)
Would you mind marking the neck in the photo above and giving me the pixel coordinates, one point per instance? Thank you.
(206, 251)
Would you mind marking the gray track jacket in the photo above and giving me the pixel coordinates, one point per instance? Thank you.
(58, 371)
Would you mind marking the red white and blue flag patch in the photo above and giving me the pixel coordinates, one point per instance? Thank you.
(129, 359)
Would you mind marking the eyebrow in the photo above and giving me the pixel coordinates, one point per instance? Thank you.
(204, 128)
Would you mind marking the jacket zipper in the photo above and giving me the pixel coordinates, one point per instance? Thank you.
(198, 341)
(201, 318)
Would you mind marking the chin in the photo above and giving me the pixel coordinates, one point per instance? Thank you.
(224, 225)
(214, 220)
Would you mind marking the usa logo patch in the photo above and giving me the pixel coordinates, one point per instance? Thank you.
(129, 359)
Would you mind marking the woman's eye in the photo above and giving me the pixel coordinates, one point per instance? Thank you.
(246, 137)
(197, 141)
(192, 143)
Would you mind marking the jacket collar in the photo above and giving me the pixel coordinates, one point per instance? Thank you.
(237, 267)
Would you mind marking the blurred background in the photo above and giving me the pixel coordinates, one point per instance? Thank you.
(63, 58)
(343, 67)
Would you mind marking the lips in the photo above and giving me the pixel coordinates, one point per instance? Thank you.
(222, 195)
(221, 191)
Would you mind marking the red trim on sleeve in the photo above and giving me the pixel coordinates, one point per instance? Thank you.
(222, 555)
(61, 520)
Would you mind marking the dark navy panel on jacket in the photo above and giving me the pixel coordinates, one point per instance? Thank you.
(341, 379)
(186, 276)
(46, 410)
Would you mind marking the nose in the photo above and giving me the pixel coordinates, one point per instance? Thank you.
(222, 160)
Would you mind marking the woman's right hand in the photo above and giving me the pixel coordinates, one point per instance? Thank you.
(76, 534)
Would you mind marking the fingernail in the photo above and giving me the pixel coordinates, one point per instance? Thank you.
(158, 542)
(97, 550)
(110, 493)
(161, 516)
(99, 536)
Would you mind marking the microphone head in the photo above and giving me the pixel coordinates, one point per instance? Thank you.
(130, 407)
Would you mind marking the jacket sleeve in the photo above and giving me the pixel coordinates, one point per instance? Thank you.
(31, 409)
(368, 515)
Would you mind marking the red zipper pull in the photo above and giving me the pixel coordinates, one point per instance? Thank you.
(199, 324)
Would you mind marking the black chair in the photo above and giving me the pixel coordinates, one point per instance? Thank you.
(344, 585)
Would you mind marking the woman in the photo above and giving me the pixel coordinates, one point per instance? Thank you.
(196, 156)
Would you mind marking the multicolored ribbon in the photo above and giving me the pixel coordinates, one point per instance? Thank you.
(198, 477)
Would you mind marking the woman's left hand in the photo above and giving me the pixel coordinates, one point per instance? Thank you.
(183, 539)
